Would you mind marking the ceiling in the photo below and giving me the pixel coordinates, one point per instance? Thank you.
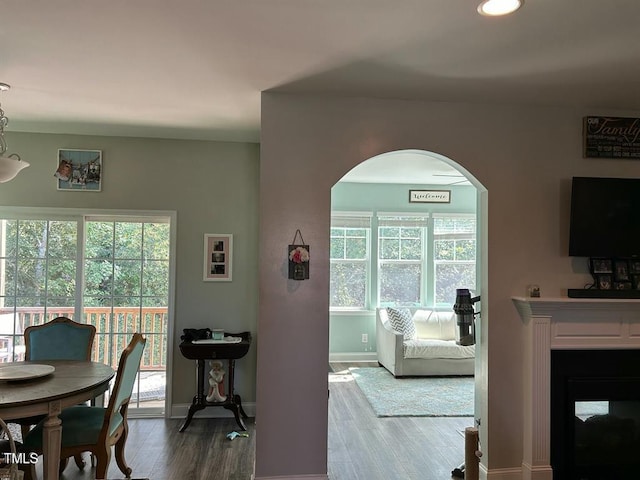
(195, 69)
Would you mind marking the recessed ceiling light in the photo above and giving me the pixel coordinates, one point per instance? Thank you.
(4, 87)
(495, 8)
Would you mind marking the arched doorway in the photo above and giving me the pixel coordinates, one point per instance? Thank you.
(377, 191)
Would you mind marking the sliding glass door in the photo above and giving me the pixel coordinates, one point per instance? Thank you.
(110, 271)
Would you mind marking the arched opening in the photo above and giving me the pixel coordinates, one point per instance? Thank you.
(405, 232)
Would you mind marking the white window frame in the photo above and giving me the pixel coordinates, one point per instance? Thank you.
(403, 220)
(354, 220)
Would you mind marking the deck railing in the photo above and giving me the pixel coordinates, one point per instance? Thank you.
(114, 327)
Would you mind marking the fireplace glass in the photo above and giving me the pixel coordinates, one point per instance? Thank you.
(595, 415)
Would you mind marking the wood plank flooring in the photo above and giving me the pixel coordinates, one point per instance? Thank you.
(363, 446)
(360, 446)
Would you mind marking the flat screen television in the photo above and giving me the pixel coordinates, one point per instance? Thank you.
(605, 217)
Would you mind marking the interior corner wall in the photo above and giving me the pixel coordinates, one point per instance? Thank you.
(213, 188)
(524, 156)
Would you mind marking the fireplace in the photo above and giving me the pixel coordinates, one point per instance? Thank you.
(581, 385)
(595, 414)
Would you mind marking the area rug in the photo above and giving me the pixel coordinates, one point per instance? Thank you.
(415, 396)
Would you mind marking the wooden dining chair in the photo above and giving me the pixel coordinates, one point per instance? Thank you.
(97, 429)
(59, 339)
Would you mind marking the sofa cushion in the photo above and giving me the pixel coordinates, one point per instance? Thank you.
(420, 348)
(401, 321)
(437, 325)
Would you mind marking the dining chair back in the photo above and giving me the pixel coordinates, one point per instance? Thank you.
(59, 339)
(97, 429)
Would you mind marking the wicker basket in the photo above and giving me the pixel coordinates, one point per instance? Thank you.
(10, 471)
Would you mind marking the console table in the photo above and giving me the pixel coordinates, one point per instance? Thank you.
(216, 351)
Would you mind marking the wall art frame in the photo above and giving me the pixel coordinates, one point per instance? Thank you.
(79, 170)
(218, 257)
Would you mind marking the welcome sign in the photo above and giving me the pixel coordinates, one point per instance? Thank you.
(429, 196)
(611, 137)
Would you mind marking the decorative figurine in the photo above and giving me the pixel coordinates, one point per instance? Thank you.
(216, 385)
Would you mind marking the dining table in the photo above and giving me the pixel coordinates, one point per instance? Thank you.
(46, 387)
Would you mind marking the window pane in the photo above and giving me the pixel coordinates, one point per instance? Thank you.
(156, 241)
(400, 284)
(348, 284)
(99, 241)
(61, 280)
(411, 249)
(10, 245)
(444, 250)
(62, 239)
(337, 247)
(410, 232)
(128, 277)
(466, 250)
(389, 249)
(31, 277)
(356, 232)
(8, 280)
(129, 240)
(392, 232)
(98, 277)
(450, 276)
(32, 239)
(356, 248)
(155, 278)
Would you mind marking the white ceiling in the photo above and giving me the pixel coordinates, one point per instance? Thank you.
(194, 69)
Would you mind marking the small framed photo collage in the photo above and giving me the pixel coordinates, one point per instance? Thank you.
(615, 273)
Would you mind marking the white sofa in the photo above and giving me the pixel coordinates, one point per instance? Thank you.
(432, 351)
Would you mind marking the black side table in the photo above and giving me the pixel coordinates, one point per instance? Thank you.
(216, 351)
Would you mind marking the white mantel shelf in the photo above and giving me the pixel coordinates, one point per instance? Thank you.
(563, 323)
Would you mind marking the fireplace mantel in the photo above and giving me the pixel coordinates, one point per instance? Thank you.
(563, 323)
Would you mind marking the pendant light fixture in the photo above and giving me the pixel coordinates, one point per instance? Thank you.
(10, 165)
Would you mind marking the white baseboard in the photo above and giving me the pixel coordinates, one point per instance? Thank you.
(500, 473)
(180, 410)
(353, 357)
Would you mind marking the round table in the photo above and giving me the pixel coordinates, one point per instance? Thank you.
(71, 383)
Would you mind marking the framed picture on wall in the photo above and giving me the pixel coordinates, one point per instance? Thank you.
(218, 251)
(79, 170)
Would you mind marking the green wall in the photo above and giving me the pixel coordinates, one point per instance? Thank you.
(346, 328)
(213, 187)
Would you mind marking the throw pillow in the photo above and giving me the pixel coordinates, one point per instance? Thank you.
(402, 321)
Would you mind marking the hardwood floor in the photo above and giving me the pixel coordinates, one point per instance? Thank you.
(363, 446)
(360, 446)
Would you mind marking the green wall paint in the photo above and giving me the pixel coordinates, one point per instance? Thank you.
(213, 187)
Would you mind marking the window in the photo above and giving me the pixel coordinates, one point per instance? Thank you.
(401, 254)
(454, 256)
(111, 272)
(350, 261)
(418, 260)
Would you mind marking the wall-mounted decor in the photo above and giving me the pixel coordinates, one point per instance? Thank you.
(218, 251)
(611, 137)
(298, 258)
(429, 196)
(79, 170)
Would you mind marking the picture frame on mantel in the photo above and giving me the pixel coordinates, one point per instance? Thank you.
(218, 257)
